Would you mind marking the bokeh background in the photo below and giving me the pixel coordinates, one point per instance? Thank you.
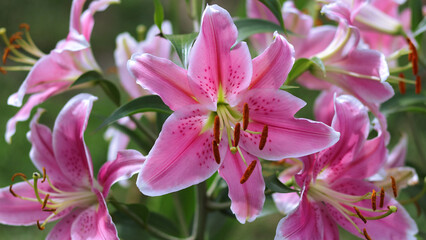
(49, 21)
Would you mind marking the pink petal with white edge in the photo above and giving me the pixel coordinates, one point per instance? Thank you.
(62, 230)
(286, 202)
(270, 69)
(126, 46)
(287, 136)
(94, 223)
(212, 63)
(24, 113)
(398, 225)
(18, 212)
(247, 198)
(127, 163)
(309, 220)
(163, 77)
(155, 44)
(170, 167)
(363, 62)
(50, 68)
(351, 120)
(69, 147)
(42, 155)
(317, 40)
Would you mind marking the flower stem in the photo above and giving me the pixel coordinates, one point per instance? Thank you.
(200, 212)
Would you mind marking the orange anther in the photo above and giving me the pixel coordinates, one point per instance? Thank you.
(24, 25)
(5, 54)
(237, 134)
(263, 138)
(248, 172)
(382, 197)
(418, 84)
(373, 200)
(216, 152)
(44, 175)
(2, 70)
(394, 188)
(15, 36)
(216, 129)
(45, 201)
(366, 234)
(360, 215)
(18, 174)
(12, 192)
(41, 227)
(245, 116)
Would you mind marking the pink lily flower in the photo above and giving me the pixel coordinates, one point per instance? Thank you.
(126, 47)
(55, 72)
(334, 189)
(228, 112)
(67, 189)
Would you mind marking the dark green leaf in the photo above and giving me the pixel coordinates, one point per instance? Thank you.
(151, 103)
(140, 140)
(275, 185)
(163, 224)
(158, 14)
(95, 78)
(300, 66)
(182, 44)
(247, 27)
(140, 210)
(275, 7)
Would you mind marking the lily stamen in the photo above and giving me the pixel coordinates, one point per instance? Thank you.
(15, 36)
(248, 172)
(263, 138)
(382, 197)
(373, 200)
(360, 215)
(401, 84)
(216, 152)
(237, 134)
(394, 188)
(44, 175)
(216, 129)
(41, 227)
(45, 201)
(366, 234)
(418, 84)
(245, 116)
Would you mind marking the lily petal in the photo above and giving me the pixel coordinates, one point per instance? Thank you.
(170, 167)
(398, 153)
(18, 212)
(163, 77)
(351, 120)
(398, 225)
(317, 40)
(270, 69)
(62, 230)
(256, 9)
(288, 136)
(308, 221)
(24, 113)
(286, 202)
(94, 223)
(212, 63)
(69, 148)
(247, 198)
(127, 163)
(155, 44)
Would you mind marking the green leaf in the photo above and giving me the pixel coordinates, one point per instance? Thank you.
(318, 65)
(95, 78)
(421, 28)
(150, 103)
(140, 210)
(182, 44)
(158, 14)
(275, 185)
(275, 7)
(247, 27)
(300, 66)
(140, 140)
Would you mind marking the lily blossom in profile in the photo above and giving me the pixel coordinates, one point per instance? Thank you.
(65, 188)
(335, 189)
(228, 112)
(126, 46)
(53, 73)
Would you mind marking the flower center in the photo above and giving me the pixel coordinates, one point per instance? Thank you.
(53, 199)
(347, 205)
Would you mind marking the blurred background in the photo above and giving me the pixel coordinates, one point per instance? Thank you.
(49, 21)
